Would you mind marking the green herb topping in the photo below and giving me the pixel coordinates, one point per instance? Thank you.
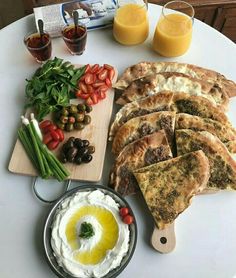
(86, 230)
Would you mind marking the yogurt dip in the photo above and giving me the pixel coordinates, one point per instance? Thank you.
(100, 253)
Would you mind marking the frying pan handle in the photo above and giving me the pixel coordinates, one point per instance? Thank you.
(39, 197)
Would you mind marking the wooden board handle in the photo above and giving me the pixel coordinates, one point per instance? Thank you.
(164, 240)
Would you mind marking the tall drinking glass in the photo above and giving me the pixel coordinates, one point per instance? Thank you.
(173, 32)
(131, 24)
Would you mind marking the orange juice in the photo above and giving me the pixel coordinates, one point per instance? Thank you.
(173, 35)
(131, 24)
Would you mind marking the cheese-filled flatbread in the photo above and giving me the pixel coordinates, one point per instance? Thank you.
(222, 165)
(139, 127)
(198, 106)
(148, 150)
(169, 186)
(226, 134)
(148, 68)
(175, 82)
(155, 103)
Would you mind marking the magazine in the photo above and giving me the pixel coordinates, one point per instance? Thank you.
(93, 13)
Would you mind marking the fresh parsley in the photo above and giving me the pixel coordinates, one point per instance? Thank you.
(52, 86)
(86, 230)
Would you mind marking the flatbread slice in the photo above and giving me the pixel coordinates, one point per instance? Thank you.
(222, 165)
(169, 186)
(198, 106)
(145, 151)
(148, 68)
(226, 134)
(175, 82)
(155, 103)
(139, 127)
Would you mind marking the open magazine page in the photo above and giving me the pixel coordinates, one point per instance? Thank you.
(94, 13)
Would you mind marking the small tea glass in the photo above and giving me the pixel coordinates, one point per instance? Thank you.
(173, 32)
(75, 38)
(39, 45)
(131, 24)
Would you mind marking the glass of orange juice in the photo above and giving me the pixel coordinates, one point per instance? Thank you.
(131, 24)
(173, 32)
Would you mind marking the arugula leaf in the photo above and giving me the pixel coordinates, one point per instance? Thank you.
(52, 86)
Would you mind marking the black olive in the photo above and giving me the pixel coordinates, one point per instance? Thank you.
(89, 108)
(69, 144)
(78, 143)
(82, 151)
(71, 154)
(78, 126)
(71, 139)
(63, 158)
(81, 107)
(78, 160)
(87, 119)
(87, 158)
(91, 149)
(85, 143)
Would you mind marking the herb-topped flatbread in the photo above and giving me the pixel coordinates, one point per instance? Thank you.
(139, 127)
(169, 186)
(225, 133)
(222, 165)
(145, 151)
(175, 82)
(155, 103)
(148, 68)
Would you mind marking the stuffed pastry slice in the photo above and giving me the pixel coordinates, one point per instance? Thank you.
(175, 82)
(225, 133)
(155, 103)
(145, 151)
(169, 186)
(222, 165)
(139, 127)
(148, 68)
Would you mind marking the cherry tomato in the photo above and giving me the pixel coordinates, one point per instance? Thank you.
(52, 144)
(87, 68)
(47, 138)
(83, 87)
(45, 123)
(100, 69)
(123, 211)
(54, 135)
(89, 101)
(128, 219)
(60, 134)
(89, 78)
(111, 74)
(90, 89)
(98, 84)
(109, 67)
(108, 82)
(94, 98)
(101, 95)
(103, 74)
(49, 128)
(94, 68)
(81, 94)
(103, 88)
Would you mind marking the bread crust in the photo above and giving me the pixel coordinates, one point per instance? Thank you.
(169, 186)
(146, 68)
(175, 82)
(225, 133)
(145, 151)
(222, 165)
(139, 127)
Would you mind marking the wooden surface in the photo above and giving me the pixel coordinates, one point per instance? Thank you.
(96, 132)
(164, 240)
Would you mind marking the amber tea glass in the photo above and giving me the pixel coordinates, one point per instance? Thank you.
(39, 45)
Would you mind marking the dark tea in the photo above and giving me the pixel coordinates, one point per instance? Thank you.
(75, 38)
(39, 46)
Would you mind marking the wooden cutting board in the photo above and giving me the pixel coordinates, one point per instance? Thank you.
(96, 132)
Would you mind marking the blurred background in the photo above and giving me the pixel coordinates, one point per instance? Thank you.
(220, 14)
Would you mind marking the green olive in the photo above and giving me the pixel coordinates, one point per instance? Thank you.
(89, 108)
(69, 127)
(78, 126)
(91, 149)
(61, 125)
(63, 119)
(79, 117)
(87, 119)
(81, 107)
(73, 109)
(64, 111)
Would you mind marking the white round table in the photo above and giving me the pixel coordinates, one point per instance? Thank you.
(205, 232)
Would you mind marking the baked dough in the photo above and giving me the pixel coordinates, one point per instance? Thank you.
(139, 127)
(169, 186)
(145, 151)
(226, 134)
(155, 103)
(147, 68)
(175, 82)
(222, 165)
